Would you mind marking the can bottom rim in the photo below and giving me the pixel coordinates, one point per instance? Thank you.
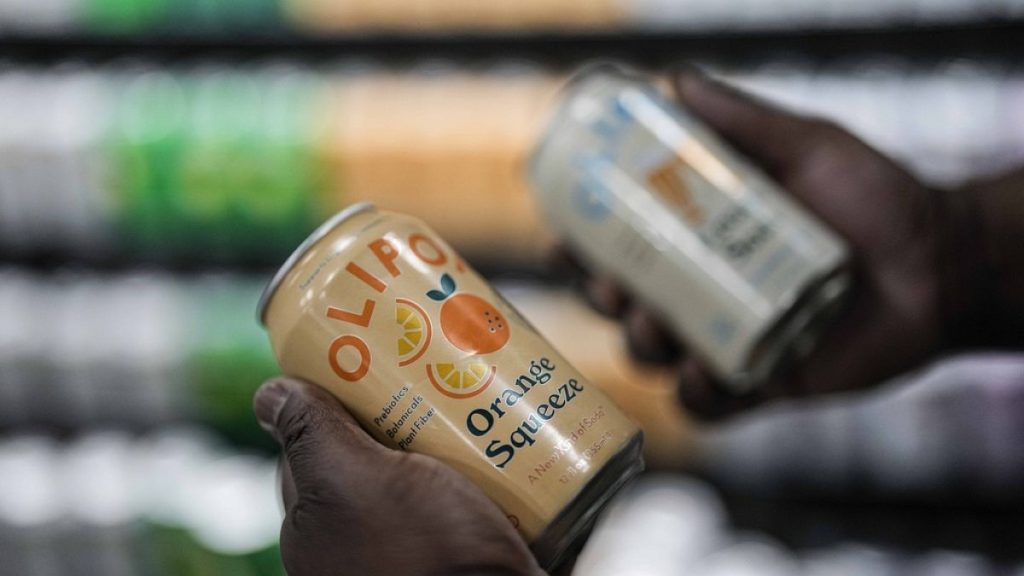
(577, 519)
(796, 335)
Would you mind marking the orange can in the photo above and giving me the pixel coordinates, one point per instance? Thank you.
(381, 312)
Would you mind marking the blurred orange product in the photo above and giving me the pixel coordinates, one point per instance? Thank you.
(350, 15)
(448, 148)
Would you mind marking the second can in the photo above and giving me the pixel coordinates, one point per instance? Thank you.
(381, 312)
(644, 192)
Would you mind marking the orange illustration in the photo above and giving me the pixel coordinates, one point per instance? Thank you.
(468, 321)
(415, 331)
(463, 380)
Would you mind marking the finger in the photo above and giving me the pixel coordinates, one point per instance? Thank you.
(561, 263)
(602, 293)
(870, 329)
(605, 296)
(648, 339)
(708, 399)
(773, 137)
(288, 492)
(323, 445)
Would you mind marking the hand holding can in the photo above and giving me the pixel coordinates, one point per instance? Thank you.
(379, 311)
(747, 276)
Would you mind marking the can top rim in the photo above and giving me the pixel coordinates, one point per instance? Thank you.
(595, 68)
(314, 237)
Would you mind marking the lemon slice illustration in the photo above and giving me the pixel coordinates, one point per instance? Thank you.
(461, 380)
(415, 329)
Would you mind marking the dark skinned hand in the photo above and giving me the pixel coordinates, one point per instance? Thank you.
(356, 508)
(891, 220)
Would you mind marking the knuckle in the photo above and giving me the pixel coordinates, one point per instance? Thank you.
(317, 508)
(302, 423)
(295, 428)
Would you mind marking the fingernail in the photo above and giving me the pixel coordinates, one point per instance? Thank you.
(270, 399)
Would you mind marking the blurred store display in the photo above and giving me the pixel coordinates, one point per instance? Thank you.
(950, 432)
(145, 199)
(211, 164)
(176, 502)
(671, 525)
(172, 503)
(135, 351)
(142, 350)
(319, 17)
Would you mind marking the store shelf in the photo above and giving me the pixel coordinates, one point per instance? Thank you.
(997, 39)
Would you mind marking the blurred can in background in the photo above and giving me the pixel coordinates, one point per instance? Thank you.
(641, 190)
(380, 311)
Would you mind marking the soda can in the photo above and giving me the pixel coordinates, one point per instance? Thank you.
(32, 521)
(381, 312)
(97, 496)
(641, 190)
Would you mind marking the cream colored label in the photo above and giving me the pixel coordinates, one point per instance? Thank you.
(431, 360)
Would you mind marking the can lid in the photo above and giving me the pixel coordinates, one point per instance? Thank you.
(600, 68)
(318, 234)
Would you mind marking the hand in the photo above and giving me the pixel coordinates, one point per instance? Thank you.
(889, 218)
(355, 507)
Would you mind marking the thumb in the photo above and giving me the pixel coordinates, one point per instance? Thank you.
(323, 445)
(777, 139)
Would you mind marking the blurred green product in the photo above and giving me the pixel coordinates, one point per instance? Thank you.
(222, 16)
(122, 17)
(216, 166)
(228, 359)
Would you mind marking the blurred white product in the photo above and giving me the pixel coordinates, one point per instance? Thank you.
(31, 520)
(950, 563)
(40, 201)
(671, 14)
(879, 93)
(15, 380)
(145, 350)
(748, 556)
(46, 403)
(902, 451)
(96, 490)
(969, 117)
(762, 14)
(830, 434)
(945, 11)
(783, 83)
(78, 336)
(16, 125)
(232, 507)
(853, 560)
(956, 424)
(167, 462)
(741, 454)
(863, 13)
(661, 526)
(72, 141)
(35, 17)
(978, 402)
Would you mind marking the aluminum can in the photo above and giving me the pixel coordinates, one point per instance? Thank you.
(643, 191)
(381, 312)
